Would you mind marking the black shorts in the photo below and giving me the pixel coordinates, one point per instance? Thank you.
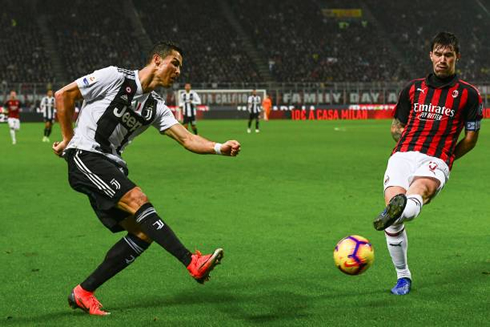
(50, 120)
(188, 120)
(103, 181)
(254, 115)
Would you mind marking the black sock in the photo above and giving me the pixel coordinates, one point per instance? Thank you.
(121, 255)
(161, 233)
(45, 132)
(49, 132)
(249, 123)
(256, 124)
(195, 130)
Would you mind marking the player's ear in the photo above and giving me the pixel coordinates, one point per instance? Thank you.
(157, 59)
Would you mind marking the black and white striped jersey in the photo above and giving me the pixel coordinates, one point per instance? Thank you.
(48, 107)
(115, 110)
(254, 104)
(188, 103)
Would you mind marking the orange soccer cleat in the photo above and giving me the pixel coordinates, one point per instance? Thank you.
(82, 299)
(202, 265)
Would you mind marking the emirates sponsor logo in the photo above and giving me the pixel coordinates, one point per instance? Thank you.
(431, 112)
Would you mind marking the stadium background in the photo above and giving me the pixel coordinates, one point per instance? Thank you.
(280, 207)
(322, 53)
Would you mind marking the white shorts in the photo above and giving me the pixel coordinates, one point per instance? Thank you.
(14, 123)
(403, 167)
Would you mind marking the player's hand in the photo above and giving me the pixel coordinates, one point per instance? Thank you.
(59, 147)
(230, 148)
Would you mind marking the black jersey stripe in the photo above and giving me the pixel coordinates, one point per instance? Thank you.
(150, 104)
(108, 122)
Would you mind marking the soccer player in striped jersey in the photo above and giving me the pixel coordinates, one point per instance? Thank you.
(12, 106)
(48, 109)
(254, 103)
(188, 102)
(430, 114)
(119, 105)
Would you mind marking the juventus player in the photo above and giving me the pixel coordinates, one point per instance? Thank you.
(188, 102)
(254, 103)
(13, 105)
(119, 105)
(48, 109)
(429, 117)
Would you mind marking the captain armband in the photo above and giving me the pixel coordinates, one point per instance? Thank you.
(473, 126)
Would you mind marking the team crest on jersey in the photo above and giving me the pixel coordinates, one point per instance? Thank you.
(455, 94)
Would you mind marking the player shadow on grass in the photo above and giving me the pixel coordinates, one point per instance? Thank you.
(36, 320)
(274, 306)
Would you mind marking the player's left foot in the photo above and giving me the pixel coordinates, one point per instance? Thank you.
(85, 300)
(402, 286)
(392, 212)
(257, 131)
(202, 265)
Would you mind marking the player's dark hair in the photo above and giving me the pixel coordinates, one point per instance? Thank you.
(163, 49)
(446, 39)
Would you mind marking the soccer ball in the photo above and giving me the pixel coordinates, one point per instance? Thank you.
(353, 255)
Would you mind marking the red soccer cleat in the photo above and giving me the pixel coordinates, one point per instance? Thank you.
(202, 265)
(82, 299)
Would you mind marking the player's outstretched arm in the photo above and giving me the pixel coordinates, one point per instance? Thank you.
(65, 105)
(198, 144)
(466, 144)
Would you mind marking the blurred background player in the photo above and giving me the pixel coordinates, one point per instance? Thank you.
(48, 109)
(12, 106)
(120, 104)
(429, 117)
(188, 103)
(266, 106)
(254, 102)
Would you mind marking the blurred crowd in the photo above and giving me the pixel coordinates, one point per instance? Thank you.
(297, 41)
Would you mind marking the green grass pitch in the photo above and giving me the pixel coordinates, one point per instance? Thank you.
(277, 210)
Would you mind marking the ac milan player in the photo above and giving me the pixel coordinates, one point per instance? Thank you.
(429, 117)
(119, 105)
(13, 105)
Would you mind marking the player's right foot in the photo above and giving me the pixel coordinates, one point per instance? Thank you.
(202, 265)
(82, 299)
(402, 287)
(392, 212)
(249, 130)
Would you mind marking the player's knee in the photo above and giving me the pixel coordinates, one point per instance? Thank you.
(134, 199)
(142, 236)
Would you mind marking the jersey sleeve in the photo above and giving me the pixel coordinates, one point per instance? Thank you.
(474, 110)
(164, 118)
(98, 83)
(404, 105)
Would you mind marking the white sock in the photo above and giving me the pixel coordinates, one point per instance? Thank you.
(412, 209)
(12, 135)
(397, 242)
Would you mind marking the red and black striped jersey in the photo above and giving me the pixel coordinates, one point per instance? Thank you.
(434, 112)
(13, 108)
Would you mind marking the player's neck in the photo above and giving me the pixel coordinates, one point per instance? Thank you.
(147, 79)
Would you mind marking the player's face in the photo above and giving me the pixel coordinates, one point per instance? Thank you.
(444, 60)
(168, 68)
(187, 87)
(13, 95)
(50, 93)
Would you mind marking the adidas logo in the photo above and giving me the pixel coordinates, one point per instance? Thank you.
(124, 97)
